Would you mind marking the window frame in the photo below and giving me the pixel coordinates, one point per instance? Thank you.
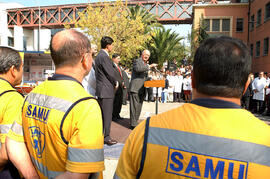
(258, 49)
(259, 18)
(251, 50)
(267, 6)
(242, 27)
(265, 45)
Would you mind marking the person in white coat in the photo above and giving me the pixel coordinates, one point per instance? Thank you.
(170, 78)
(258, 87)
(89, 81)
(187, 88)
(178, 86)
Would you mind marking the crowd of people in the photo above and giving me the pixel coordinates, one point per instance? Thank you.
(59, 129)
(256, 98)
(177, 85)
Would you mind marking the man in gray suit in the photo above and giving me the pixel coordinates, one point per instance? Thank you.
(137, 90)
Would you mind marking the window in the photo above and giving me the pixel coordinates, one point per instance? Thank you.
(267, 11)
(225, 25)
(215, 25)
(24, 43)
(259, 17)
(207, 24)
(252, 18)
(11, 41)
(265, 46)
(239, 24)
(258, 46)
(251, 50)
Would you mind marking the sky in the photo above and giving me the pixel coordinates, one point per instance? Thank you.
(182, 29)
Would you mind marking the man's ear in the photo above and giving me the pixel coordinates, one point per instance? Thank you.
(87, 60)
(13, 71)
(193, 80)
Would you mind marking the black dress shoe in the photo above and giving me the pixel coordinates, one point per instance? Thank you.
(110, 142)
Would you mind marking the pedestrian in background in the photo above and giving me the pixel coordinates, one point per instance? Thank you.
(210, 137)
(137, 90)
(107, 84)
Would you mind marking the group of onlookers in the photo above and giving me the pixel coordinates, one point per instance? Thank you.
(256, 96)
(57, 131)
(177, 85)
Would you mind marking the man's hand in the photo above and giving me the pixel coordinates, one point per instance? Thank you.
(256, 91)
(116, 85)
(153, 65)
(123, 85)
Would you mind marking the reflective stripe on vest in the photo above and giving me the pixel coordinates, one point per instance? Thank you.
(48, 101)
(210, 145)
(17, 128)
(78, 155)
(4, 128)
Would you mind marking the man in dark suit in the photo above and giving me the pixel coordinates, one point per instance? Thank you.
(117, 102)
(106, 83)
(137, 90)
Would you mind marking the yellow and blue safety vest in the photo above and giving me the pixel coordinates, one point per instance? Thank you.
(10, 107)
(62, 127)
(207, 138)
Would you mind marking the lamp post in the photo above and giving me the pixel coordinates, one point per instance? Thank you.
(37, 2)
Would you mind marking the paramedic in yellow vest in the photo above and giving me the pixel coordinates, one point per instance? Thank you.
(62, 123)
(11, 71)
(211, 137)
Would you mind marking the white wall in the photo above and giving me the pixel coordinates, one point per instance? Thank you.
(45, 37)
(29, 35)
(4, 31)
(18, 37)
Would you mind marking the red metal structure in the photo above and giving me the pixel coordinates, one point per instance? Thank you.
(168, 12)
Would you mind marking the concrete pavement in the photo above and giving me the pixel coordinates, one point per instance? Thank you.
(120, 131)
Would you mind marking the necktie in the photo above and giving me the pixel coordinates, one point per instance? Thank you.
(119, 70)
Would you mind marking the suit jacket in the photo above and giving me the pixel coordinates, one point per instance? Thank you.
(119, 78)
(125, 78)
(139, 75)
(105, 76)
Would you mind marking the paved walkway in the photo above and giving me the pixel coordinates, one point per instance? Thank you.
(120, 131)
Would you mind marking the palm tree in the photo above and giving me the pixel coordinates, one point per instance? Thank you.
(165, 45)
(197, 36)
(149, 19)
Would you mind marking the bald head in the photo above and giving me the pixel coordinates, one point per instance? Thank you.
(67, 47)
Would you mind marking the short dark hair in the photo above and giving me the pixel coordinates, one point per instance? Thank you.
(8, 58)
(221, 67)
(106, 41)
(71, 49)
(115, 55)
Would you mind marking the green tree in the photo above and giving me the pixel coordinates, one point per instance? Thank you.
(197, 36)
(112, 19)
(150, 20)
(165, 45)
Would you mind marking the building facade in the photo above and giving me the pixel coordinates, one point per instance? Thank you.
(248, 21)
(28, 41)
